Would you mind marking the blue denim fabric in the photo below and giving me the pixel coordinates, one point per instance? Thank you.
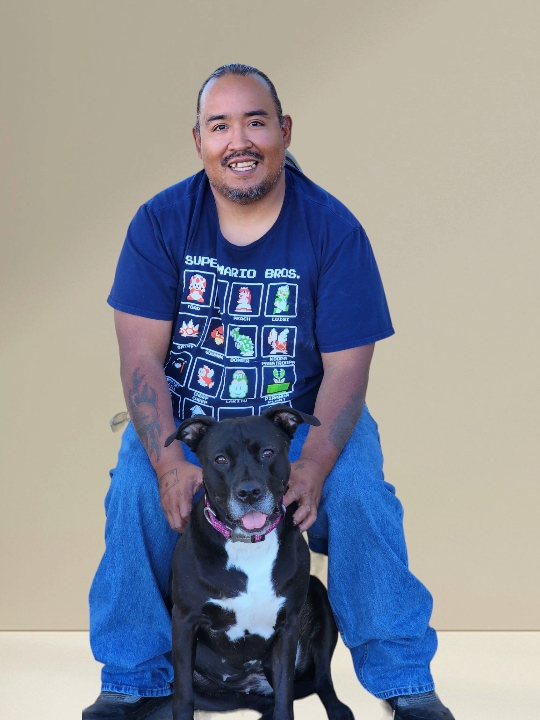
(381, 609)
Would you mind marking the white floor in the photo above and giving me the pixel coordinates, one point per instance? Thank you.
(480, 676)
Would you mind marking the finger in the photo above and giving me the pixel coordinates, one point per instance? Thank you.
(304, 508)
(176, 521)
(290, 496)
(197, 484)
(179, 510)
(309, 520)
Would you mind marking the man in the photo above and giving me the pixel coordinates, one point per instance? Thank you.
(241, 287)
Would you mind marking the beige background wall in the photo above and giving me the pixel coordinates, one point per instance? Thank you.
(423, 117)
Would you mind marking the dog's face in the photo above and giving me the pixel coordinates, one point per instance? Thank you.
(245, 463)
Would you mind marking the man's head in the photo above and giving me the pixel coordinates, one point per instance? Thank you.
(241, 133)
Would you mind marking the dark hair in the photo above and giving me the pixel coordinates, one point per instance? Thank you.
(242, 70)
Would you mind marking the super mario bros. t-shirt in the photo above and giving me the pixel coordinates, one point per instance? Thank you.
(250, 322)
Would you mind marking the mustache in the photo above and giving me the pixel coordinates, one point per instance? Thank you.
(245, 153)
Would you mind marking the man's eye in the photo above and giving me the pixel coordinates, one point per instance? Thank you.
(221, 460)
(256, 122)
(219, 127)
(268, 453)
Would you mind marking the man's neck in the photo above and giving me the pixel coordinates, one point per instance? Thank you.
(244, 224)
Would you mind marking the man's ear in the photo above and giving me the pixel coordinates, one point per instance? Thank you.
(192, 431)
(289, 419)
(197, 137)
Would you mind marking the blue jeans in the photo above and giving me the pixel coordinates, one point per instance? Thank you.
(381, 609)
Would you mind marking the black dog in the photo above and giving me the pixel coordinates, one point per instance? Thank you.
(251, 628)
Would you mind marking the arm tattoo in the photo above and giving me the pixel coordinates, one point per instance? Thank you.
(144, 413)
(167, 481)
(342, 427)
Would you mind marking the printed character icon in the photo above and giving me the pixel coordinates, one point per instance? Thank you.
(197, 286)
(243, 342)
(278, 341)
(239, 385)
(218, 335)
(205, 375)
(179, 365)
(281, 301)
(279, 385)
(197, 410)
(244, 300)
(189, 329)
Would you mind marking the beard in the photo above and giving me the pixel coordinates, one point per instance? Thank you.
(245, 196)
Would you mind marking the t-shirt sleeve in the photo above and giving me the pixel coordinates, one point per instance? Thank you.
(351, 304)
(146, 279)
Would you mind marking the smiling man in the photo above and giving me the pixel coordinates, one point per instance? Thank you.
(241, 287)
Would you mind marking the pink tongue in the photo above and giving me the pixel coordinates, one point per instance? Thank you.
(253, 520)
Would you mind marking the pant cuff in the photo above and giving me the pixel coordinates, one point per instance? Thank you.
(408, 690)
(140, 692)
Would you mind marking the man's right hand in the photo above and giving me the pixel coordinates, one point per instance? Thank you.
(178, 482)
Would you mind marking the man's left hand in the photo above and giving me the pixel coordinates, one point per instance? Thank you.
(305, 486)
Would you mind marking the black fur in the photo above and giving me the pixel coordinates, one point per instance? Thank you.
(246, 466)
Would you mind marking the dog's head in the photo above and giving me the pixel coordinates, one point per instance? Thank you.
(245, 463)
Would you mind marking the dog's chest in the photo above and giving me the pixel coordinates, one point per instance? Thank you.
(257, 608)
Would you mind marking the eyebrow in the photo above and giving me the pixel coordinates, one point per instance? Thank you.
(250, 113)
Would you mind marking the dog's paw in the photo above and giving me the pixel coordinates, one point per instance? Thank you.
(341, 713)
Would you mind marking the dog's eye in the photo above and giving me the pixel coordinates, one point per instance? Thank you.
(268, 453)
(221, 460)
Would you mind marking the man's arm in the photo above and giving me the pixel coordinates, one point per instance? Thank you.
(339, 404)
(143, 345)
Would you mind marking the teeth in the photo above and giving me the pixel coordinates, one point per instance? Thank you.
(243, 165)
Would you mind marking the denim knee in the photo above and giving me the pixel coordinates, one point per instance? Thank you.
(133, 480)
(357, 479)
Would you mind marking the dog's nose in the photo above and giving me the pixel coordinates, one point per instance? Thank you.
(249, 491)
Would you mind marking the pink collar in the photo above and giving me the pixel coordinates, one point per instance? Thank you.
(210, 515)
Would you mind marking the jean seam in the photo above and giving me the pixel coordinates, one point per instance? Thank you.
(139, 692)
(360, 673)
(408, 690)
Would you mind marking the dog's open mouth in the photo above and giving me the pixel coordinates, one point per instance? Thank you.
(254, 520)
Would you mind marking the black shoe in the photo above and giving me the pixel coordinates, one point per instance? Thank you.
(115, 706)
(425, 706)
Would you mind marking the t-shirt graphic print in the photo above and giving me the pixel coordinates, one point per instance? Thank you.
(242, 354)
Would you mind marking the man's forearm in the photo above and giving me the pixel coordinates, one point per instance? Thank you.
(338, 419)
(149, 403)
(339, 405)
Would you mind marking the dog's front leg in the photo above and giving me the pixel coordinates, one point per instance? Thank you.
(184, 635)
(281, 669)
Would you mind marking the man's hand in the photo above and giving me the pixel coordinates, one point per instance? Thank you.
(305, 486)
(178, 483)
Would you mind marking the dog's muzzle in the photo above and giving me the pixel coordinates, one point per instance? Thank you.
(236, 534)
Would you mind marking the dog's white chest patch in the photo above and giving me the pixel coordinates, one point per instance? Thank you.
(256, 609)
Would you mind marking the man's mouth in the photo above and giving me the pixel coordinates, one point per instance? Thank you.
(244, 165)
(242, 162)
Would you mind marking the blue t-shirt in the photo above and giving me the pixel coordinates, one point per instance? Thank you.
(250, 322)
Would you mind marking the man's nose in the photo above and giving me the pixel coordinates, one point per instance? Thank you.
(239, 139)
(249, 491)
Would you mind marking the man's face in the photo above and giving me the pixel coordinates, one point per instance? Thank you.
(241, 142)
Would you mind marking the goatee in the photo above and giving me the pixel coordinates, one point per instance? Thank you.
(248, 195)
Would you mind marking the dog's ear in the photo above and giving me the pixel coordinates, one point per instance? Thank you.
(289, 419)
(192, 431)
